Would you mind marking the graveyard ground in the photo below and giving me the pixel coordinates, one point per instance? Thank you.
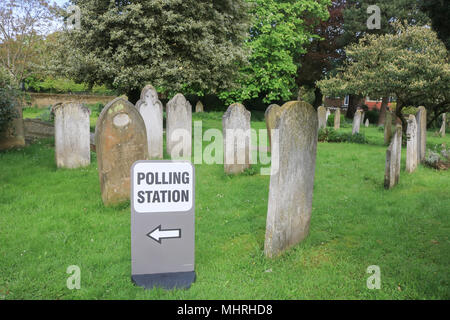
(51, 219)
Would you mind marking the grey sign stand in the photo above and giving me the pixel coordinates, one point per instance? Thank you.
(162, 224)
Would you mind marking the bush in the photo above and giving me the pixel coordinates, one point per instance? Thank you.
(409, 110)
(331, 135)
(373, 116)
(47, 115)
(438, 158)
(9, 100)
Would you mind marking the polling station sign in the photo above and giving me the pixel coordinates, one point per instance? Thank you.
(163, 224)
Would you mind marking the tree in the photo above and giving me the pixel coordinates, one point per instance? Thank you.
(22, 24)
(279, 32)
(439, 11)
(355, 28)
(323, 54)
(412, 64)
(189, 46)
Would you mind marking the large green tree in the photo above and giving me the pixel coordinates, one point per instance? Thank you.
(355, 28)
(411, 63)
(188, 46)
(280, 31)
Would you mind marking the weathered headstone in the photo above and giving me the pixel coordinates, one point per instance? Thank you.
(411, 144)
(72, 135)
(388, 128)
(363, 114)
(236, 139)
(322, 117)
(327, 115)
(120, 140)
(442, 130)
(271, 116)
(151, 110)
(393, 159)
(291, 184)
(179, 128)
(366, 124)
(337, 119)
(421, 117)
(356, 122)
(13, 135)
(199, 106)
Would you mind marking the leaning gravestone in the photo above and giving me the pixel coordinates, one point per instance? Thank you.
(72, 135)
(421, 117)
(388, 128)
(322, 117)
(151, 110)
(411, 144)
(199, 106)
(442, 130)
(337, 119)
(271, 116)
(366, 124)
(356, 122)
(120, 140)
(179, 128)
(292, 181)
(393, 159)
(236, 138)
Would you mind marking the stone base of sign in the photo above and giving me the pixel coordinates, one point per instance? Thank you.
(168, 281)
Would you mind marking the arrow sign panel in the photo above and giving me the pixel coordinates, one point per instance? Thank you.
(157, 234)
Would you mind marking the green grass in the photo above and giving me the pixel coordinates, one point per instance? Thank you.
(52, 218)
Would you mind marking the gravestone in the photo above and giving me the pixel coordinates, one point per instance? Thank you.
(388, 128)
(411, 144)
(363, 114)
(421, 117)
(72, 135)
(292, 181)
(393, 159)
(366, 124)
(151, 110)
(179, 128)
(327, 115)
(337, 119)
(199, 106)
(322, 117)
(442, 130)
(356, 122)
(271, 116)
(120, 141)
(236, 139)
(13, 135)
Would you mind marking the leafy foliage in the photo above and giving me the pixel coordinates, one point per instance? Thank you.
(331, 135)
(9, 99)
(279, 33)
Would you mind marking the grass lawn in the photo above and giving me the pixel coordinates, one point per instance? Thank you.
(51, 219)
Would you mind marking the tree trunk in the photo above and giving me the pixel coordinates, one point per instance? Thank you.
(352, 106)
(318, 96)
(399, 114)
(384, 104)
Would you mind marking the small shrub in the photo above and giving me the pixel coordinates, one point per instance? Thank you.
(47, 115)
(9, 100)
(331, 135)
(438, 157)
(381, 128)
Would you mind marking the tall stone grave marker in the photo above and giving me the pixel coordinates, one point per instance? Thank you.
(291, 184)
(151, 110)
(236, 139)
(411, 144)
(388, 127)
(337, 119)
(199, 106)
(393, 159)
(271, 116)
(327, 115)
(179, 128)
(442, 130)
(421, 117)
(366, 124)
(72, 135)
(120, 140)
(322, 116)
(356, 122)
